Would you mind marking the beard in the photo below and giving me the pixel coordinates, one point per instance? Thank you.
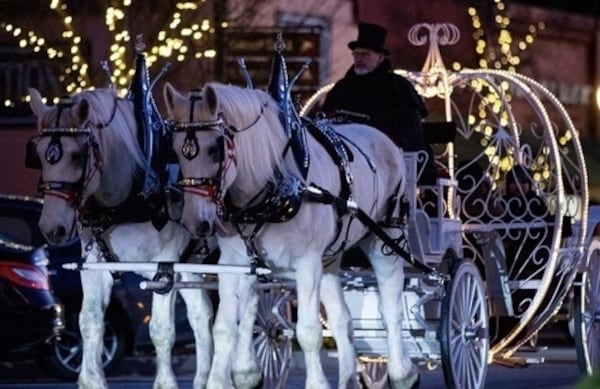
(361, 70)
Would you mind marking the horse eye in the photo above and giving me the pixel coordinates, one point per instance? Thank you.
(215, 153)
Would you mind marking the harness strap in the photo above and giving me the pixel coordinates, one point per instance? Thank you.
(338, 151)
(314, 193)
(106, 252)
(251, 250)
(133, 209)
(195, 246)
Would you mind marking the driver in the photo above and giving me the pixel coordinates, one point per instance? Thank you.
(371, 93)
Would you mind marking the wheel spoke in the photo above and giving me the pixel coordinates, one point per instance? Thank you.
(271, 348)
(456, 359)
(472, 297)
(465, 333)
(72, 353)
(464, 301)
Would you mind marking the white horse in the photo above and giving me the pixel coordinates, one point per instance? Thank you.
(89, 154)
(231, 145)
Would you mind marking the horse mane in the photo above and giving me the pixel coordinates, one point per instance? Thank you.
(118, 141)
(261, 138)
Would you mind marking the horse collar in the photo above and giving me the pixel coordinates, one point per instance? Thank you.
(281, 202)
(134, 209)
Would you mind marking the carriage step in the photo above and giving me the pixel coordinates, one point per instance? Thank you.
(517, 361)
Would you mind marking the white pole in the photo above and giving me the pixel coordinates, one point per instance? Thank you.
(177, 267)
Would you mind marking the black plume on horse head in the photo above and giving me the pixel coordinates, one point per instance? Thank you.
(151, 133)
(145, 117)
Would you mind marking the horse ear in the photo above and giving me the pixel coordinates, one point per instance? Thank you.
(36, 103)
(171, 96)
(210, 96)
(82, 110)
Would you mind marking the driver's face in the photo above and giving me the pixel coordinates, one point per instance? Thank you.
(366, 60)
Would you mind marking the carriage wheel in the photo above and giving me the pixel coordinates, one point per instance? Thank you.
(587, 313)
(464, 330)
(373, 372)
(273, 336)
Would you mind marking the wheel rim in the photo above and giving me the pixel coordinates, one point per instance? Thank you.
(373, 372)
(69, 348)
(272, 343)
(590, 311)
(466, 327)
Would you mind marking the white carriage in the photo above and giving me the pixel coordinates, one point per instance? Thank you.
(482, 301)
(501, 119)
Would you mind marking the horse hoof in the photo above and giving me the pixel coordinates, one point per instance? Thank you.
(248, 381)
(413, 381)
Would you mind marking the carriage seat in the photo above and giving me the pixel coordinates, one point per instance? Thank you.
(439, 132)
(433, 227)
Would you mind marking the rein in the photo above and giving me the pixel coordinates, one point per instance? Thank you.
(320, 195)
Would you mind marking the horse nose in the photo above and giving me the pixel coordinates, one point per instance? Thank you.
(56, 235)
(204, 228)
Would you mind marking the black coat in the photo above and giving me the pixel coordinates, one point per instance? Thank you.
(390, 101)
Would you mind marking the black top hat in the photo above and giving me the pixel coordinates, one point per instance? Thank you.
(370, 36)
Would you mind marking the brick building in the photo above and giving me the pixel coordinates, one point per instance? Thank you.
(564, 55)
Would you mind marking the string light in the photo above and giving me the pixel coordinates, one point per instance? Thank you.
(503, 54)
(183, 36)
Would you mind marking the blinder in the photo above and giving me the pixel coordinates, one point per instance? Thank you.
(218, 155)
(168, 154)
(32, 160)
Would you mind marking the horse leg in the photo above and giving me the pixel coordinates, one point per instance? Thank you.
(246, 371)
(308, 328)
(389, 272)
(162, 333)
(224, 332)
(96, 288)
(200, 314)
(340, 324)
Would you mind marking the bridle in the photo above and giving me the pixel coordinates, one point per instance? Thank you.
(71, 192)
(209, 187)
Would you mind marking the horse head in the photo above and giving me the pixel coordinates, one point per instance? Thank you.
(71, 149)
(204, 148)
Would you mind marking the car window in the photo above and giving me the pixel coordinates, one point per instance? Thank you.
(16, 230)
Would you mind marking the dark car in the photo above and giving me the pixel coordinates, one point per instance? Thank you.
(128, 314)
(30, 314)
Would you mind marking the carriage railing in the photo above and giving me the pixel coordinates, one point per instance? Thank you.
(433, 221)
(541, 137)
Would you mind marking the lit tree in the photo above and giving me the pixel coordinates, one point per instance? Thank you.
(500, 51)
(174, 31)
(495, 44)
